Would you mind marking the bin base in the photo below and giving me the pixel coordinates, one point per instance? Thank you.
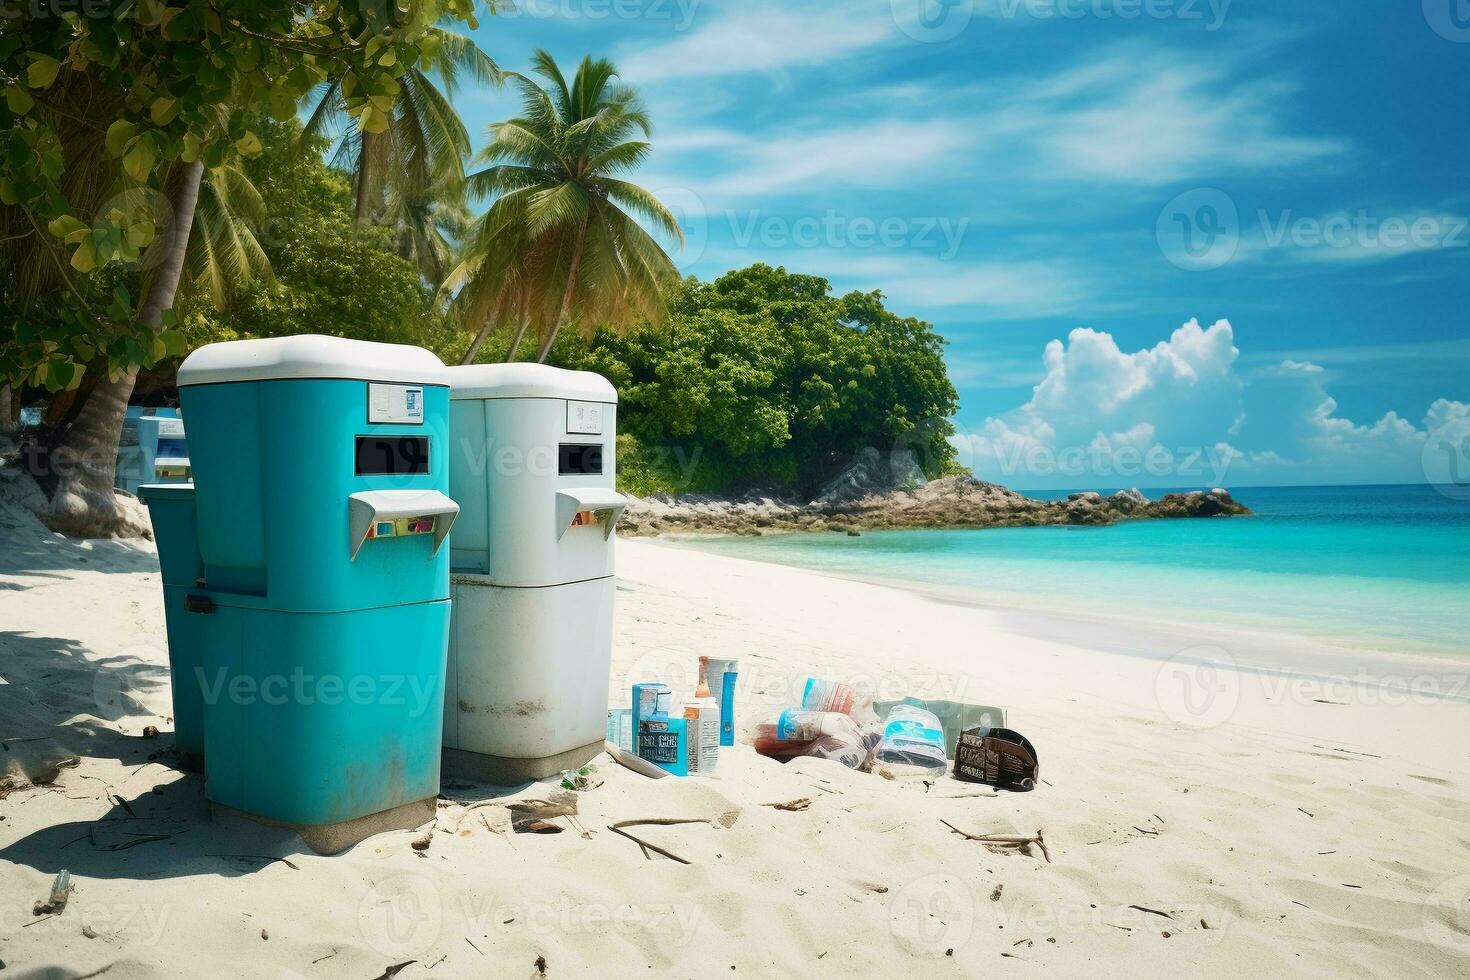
(189, 761)
(330, 838)
(499, 770)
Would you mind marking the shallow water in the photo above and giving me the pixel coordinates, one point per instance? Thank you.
(1381, 567)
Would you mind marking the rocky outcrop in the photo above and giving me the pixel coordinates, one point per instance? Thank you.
(951, 502)
(872, 473)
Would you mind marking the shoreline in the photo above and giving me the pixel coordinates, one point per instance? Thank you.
(1252, 634)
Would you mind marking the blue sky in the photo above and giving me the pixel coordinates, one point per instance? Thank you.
(1149, 228)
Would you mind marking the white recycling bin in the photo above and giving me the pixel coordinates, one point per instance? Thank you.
(532, 467)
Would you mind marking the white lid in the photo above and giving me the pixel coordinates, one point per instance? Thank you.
(311, 356)
(526, 380)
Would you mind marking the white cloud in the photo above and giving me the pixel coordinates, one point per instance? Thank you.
(860, 155)
(1183, 413)
(763, 37)
(1149, 115)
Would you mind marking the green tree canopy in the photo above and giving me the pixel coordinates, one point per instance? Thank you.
(771, 378)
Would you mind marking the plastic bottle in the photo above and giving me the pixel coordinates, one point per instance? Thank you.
(820, 695)
(722, 675)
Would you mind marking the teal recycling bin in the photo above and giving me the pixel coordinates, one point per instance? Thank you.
(320, 608)
(172, 509)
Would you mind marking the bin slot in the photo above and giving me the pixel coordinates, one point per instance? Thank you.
(368, 509)
(596, 500)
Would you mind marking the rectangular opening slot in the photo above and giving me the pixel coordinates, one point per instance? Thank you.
(579, 459)
(392, 455)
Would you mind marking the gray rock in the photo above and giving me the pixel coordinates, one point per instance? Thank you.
(904, 471)
(1128, 501)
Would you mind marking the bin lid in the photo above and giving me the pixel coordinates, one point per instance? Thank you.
(524, 380)
(311, 356)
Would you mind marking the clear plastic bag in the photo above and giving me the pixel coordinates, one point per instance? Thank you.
(913, 737)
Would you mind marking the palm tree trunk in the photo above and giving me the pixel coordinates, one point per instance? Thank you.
(515, 342)
(469, 355)
(567, 293)
(7, 411)
(83, 503)
(371, 158)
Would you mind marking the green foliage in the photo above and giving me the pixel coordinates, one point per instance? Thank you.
(100, 108)
(763, 376)
(328, 277)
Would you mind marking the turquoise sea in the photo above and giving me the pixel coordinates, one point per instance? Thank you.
(1383, 567)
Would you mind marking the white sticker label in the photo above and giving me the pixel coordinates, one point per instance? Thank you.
(395, 404)
(584, 418)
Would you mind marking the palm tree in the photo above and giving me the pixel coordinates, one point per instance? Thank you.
(224, 253)
(426, 229)
(420, 156)
(561, 242)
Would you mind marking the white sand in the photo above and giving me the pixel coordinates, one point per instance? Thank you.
(1254, 811)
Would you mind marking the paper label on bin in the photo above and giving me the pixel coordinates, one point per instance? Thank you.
(395, 404)
(584, 418)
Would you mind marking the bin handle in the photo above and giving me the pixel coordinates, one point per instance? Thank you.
(366, 507)
(569, 503)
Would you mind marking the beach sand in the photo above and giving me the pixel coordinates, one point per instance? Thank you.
(1199, 820)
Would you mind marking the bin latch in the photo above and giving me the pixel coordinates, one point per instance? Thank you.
(198, 604)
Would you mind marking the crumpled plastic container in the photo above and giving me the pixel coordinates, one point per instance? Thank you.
(913, 737)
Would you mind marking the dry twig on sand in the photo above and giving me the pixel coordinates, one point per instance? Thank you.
(724, 820)
(1005, 842)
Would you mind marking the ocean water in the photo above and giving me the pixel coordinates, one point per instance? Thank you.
(1381, 567)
